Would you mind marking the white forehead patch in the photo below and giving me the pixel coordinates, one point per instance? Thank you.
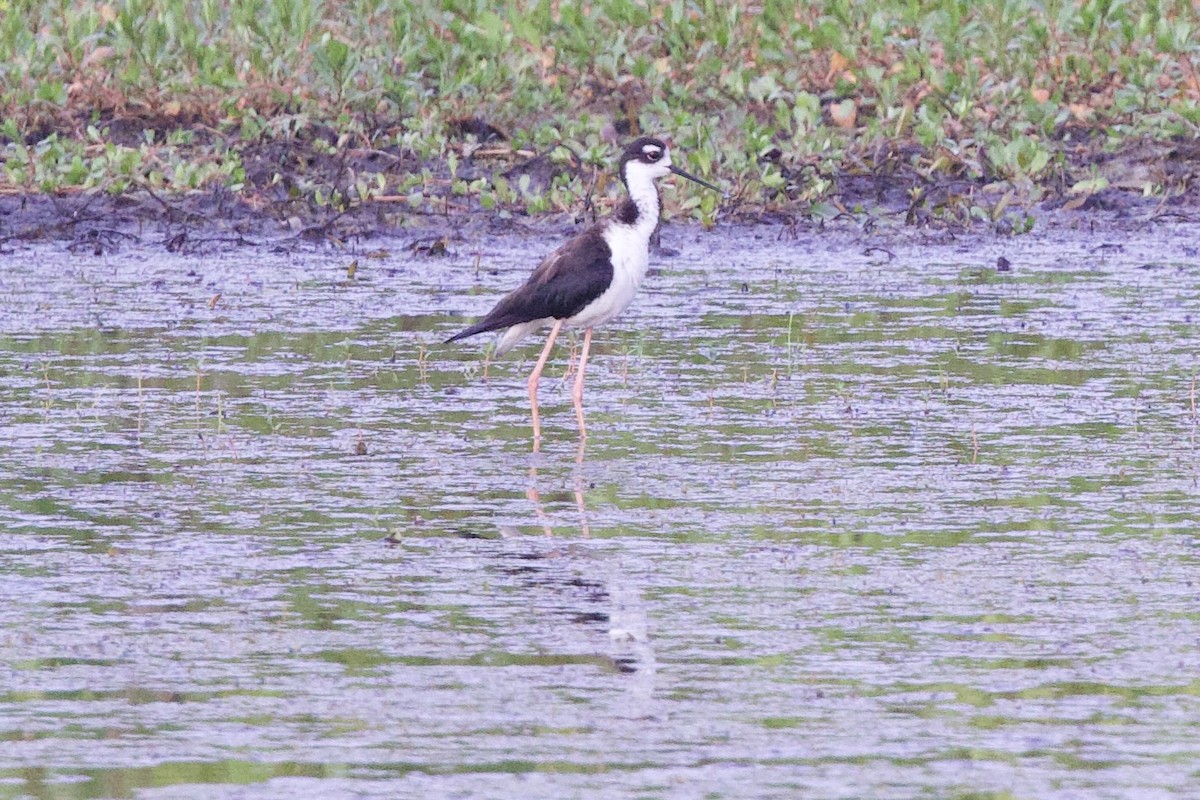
(651, 149)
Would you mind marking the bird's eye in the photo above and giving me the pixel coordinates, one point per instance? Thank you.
(653, 155)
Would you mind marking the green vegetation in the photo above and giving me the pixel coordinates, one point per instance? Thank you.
(964, 110)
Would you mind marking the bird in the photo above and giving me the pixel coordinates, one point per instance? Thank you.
(591, 278)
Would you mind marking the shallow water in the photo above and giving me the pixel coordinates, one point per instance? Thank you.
(850, 523)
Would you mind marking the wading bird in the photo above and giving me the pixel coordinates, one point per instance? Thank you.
(591, 278)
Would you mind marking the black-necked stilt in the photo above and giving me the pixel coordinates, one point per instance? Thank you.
(591, 278)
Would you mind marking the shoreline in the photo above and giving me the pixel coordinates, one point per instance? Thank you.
(219, 221)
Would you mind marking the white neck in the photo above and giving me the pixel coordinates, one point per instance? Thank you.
(644, 194)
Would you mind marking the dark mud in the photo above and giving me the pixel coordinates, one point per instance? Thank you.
(859, 517)
(889, 192)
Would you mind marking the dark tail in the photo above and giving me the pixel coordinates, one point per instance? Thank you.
(487, 324)
(478, 327)
(483, 326)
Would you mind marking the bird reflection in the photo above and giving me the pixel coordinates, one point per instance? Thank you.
(575, 580)
(535, 496)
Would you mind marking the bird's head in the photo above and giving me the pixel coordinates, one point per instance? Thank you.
(648, 158)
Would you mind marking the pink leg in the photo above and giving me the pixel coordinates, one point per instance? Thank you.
(534, 377)
(577, 395)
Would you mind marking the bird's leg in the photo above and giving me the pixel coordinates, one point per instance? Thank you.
(577, 395)
(533, 382)
(571, 358)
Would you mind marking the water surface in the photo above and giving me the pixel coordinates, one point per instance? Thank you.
(850, 523)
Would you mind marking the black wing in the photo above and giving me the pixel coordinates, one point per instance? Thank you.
(570, 278)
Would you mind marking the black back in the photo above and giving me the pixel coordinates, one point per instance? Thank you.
(626, 213)
(562, 286)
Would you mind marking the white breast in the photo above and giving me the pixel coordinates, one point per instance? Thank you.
(630, 246)
(630, 261)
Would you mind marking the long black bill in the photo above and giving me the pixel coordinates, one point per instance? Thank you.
(684, 174)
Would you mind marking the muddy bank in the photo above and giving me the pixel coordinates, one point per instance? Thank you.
(887, 196)
(219, 221)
